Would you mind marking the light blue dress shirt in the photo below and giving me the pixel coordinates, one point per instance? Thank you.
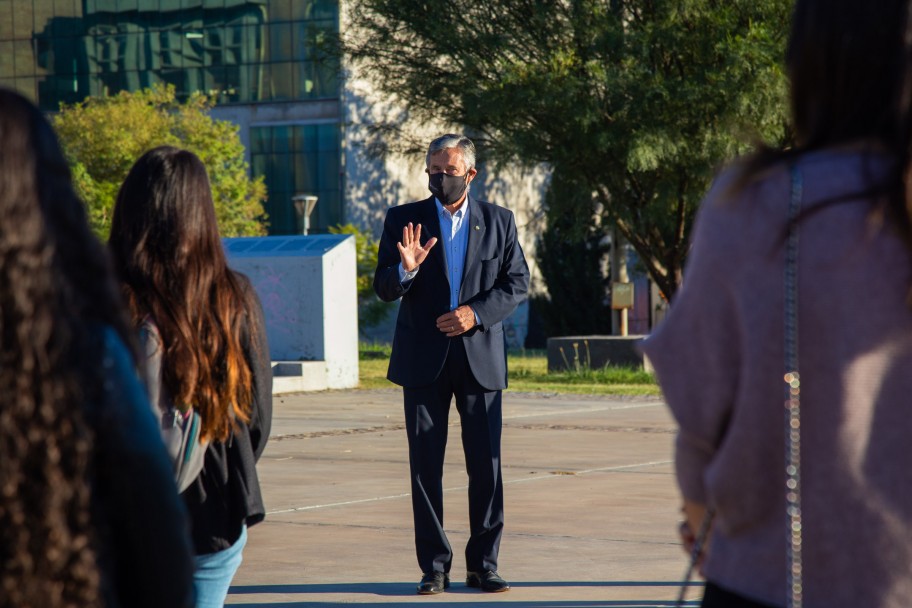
(454, 239)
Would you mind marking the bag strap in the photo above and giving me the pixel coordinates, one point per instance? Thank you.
(792, 391)
(792, 416)
(695, 554)
(151, 344)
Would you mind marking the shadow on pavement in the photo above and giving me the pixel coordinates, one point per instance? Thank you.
(502, 599)
(407, 589)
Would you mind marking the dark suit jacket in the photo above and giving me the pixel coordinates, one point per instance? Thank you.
(495, 280)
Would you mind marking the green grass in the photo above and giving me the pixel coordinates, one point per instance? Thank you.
(529, 373)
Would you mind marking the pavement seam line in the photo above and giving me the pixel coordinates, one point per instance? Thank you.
(586, 410)
(464, 487)
(398, 426)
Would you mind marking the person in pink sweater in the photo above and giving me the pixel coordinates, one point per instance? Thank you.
(719, 354)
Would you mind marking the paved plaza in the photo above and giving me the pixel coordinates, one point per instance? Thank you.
(591, 506)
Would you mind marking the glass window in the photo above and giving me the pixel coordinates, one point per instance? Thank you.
(325, 9)
(315, 9)
(6, 21)
(194, 52)
(157, 19)
(193, 81)
(281, 208)
(23, 58)
(232, 83)
(65, 27)
(330, 207)
(302, 9)
(292, 160)
(279, 10)
(309, 139)
(170, 5)
(63, 57)
(280, 81)
(66, 8)
(215, 41)
(253, 83)
(214, 82)
(191, 10)
(328, 138)
(28, 87)
(7, 65)
(328, 170)
(304, 36)
(260, 142)
(281, 45)
(305, 172)
(326, 75)
(43, 13)
(281, 140)
(246, 50)
(148, 78)
(306, 82)
(23, 20)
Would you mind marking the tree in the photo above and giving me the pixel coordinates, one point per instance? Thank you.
(571, 256)
(371, 309)
(103, 136)
(633, 101)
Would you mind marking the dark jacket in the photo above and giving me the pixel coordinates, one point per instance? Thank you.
(227, 492)
(495, 280)
(144, 551)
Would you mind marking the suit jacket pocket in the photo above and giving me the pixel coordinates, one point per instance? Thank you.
(489, 270)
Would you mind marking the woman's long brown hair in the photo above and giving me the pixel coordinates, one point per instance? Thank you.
(57, 292)
(167, 250)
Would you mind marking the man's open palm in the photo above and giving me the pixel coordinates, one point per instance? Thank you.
(411, 252)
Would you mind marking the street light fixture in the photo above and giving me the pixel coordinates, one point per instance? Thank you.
(304, 205)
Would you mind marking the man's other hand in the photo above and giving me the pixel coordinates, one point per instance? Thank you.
(456, 321)
(411, 252)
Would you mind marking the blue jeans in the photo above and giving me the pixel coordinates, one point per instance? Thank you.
(214, 572)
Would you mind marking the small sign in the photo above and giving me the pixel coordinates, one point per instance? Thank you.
(621, 295)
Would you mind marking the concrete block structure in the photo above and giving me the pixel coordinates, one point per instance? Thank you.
(307, 285)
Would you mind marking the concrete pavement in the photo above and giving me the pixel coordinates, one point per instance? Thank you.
(591, 506)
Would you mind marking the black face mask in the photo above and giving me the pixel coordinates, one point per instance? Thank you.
(447, 188)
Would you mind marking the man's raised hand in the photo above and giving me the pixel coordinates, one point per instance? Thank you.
(411, 252)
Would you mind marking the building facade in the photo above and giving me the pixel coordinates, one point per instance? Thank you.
(304, 120)
(257, 59)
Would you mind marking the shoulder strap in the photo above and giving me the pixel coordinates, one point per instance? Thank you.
(152, 352)
(792, 391)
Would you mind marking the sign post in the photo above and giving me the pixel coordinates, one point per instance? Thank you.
(622, 299)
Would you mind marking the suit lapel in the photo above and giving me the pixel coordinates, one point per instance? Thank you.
(430, 227)
(476, 228)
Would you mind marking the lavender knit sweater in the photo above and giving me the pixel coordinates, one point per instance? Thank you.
(719, 359)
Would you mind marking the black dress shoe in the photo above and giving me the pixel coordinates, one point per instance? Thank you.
(487, 580)
(433, 582)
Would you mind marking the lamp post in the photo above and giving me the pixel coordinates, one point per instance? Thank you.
(304, 205)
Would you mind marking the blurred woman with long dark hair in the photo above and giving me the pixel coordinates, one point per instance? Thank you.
(813, 502)
(209, 323)
(89, 515)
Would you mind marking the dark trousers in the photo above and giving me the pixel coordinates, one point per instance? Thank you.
(426, 417)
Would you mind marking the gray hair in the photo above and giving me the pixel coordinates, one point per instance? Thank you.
(452, 140)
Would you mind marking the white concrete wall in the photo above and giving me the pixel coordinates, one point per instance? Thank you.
(307, 285)
(340, 315)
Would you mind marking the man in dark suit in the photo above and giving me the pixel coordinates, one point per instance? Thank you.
(449, 341)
